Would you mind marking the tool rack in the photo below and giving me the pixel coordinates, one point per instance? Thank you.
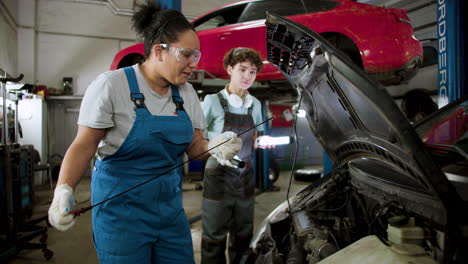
(16, 190)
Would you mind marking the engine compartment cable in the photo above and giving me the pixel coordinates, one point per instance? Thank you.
(295, 151)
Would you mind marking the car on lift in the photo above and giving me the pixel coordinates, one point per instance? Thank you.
(397, 193)
(378, 39)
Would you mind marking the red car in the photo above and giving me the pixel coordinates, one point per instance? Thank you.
(378, 39)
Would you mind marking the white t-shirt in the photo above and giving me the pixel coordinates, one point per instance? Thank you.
(107, 104)
(214, 113)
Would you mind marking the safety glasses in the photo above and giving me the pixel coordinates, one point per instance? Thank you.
(183, 55)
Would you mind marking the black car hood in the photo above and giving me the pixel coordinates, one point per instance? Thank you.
(353, 117)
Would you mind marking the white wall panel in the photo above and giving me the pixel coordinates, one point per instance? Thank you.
(77, 38)
(125, 44)
(26, 13)
(8, 38)
(78, 18)
(70, 56)
(12, 7)
(194, 8)
(424, 16)
(26, 57)
(125, 4)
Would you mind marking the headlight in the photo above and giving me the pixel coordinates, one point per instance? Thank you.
(280, 213)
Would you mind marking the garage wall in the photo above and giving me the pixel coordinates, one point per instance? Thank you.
(77, 38)
(51, 39)
(8, 37)
(26, 39)
(423, 14)
(59, 38)
(195, 8)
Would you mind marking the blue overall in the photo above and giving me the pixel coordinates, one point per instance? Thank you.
(147, 224)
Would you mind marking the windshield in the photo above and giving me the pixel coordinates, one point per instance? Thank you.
(446, 131)
(447, 127)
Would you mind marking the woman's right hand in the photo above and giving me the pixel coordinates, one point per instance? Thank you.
(62, 204)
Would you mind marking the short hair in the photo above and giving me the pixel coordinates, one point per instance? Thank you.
(241, 54)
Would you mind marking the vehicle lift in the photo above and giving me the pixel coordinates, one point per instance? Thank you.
(452, 54)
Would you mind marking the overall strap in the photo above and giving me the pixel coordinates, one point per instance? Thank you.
(137, 97)
(223, 102)
(250, 109)
(177, 99)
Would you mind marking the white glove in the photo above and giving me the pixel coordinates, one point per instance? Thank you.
(62, 204)
(224, 162)
(224, 152)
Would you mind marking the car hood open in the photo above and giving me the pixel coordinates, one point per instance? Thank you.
(352, 116)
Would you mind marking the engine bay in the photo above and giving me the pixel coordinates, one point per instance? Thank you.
(337, 213)
(387, 198)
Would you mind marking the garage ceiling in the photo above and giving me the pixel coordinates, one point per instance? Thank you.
(422, 13)
(69, 27)
(191, 8)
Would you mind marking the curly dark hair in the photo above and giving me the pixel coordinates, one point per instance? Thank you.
(159, 26)
(241, 54)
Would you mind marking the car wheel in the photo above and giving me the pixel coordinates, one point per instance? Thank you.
(307, 175)
(274, 171)
(130, 60)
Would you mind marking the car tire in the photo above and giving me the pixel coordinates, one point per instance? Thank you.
(130, 60)
(274, 172)
(307, 175)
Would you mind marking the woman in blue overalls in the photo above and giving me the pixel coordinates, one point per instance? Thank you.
(140, 119)
(228, 192)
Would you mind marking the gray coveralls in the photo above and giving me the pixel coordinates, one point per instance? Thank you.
(228, 197)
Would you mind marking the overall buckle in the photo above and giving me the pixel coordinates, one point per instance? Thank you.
(138, 99)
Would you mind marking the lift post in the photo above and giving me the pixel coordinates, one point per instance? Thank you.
(170, 4)
(451, 71)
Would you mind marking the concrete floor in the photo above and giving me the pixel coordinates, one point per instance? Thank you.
(76, 245)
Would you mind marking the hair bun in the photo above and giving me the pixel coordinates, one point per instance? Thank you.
(143, 16)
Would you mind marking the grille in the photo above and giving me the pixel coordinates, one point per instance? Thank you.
(349, 148)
